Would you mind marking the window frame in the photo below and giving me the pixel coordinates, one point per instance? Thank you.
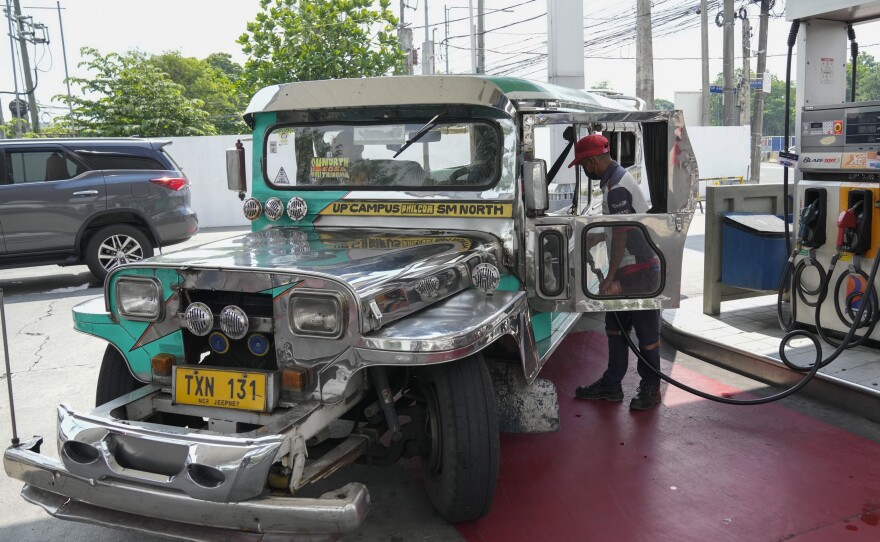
(5, 162)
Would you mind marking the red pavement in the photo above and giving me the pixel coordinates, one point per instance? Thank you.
(690, 470)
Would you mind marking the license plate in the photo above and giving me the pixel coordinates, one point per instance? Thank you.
(219, 388)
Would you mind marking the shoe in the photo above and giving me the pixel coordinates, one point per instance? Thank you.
(647, 397)
(600, 390)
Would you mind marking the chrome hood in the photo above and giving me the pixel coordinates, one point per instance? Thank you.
(391, 267)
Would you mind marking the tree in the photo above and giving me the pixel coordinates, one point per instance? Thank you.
(867, 78)
(660, 103)
(299, 40)
(202, 81)
(128, 95)
(774, 106)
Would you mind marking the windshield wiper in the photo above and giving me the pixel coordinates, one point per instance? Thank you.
(422, 131)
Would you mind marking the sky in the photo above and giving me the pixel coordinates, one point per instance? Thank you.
(200, 27)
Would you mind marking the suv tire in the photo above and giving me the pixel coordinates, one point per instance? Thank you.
(114, 380)
(114, 245)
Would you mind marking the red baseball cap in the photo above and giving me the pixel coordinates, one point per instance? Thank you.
(591, 145)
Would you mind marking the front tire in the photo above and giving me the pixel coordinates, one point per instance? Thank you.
(114, 380)
(461, 463)
(115, 245)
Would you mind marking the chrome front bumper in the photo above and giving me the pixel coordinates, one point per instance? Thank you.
(135, 506)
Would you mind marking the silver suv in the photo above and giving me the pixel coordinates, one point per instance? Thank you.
(101, 202)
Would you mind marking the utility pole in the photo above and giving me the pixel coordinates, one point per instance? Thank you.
(405, 38)
(644, 54)
(427, 48)
(745, 94)
(473, 37)
(481, 43)
(729, 106)
(26, 68)
(704, 31)
(66, 75)
(758, 112)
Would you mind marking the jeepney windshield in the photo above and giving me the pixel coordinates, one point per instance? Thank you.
(465, 155)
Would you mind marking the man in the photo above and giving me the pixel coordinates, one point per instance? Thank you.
(633, 268)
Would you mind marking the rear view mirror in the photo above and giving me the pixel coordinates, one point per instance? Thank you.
(537, 198)
(236, 179)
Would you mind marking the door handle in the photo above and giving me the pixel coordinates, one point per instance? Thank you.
(86, 193)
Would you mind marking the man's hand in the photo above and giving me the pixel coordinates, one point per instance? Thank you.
(609, 286)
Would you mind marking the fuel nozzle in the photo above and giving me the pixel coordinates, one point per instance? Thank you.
(847, 223)
(808, 217)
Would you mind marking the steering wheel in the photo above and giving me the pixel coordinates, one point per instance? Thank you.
(459, 173)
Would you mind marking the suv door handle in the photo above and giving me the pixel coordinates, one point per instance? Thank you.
(86, 193)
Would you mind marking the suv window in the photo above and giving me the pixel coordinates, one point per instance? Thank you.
(122, 161)
(38, 166)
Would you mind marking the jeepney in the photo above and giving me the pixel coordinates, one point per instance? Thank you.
(402, 286)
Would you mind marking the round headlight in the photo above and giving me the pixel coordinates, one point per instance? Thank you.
(297, 208)
(199, 319)
(486, 277)
(252, 208)
(274, 209)
(233, 322)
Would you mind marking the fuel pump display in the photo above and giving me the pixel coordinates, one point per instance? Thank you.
(838, 219)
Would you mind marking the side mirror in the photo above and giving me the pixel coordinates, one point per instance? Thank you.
(537, 198)
(236, 179)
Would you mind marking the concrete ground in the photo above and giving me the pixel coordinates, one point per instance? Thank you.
(53, 364)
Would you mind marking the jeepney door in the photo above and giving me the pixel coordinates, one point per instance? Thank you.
(568, 251)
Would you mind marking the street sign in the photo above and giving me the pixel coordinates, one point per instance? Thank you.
(757, 83)
(715, 89)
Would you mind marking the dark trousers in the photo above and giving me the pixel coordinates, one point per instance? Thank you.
(647, 326)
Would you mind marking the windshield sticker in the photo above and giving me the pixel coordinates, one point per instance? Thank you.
(281, 177)
(400, 208)
(329, 168)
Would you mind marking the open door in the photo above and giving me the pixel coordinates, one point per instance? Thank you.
(568, 254)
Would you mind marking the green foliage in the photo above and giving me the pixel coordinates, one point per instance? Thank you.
(774, 109)
(602, 85)
(129, 95)
(299, 40)
(867, 78)
(774, 106)
(660, 103)
(214, 88)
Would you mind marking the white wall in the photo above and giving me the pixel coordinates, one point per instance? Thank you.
(203, 160)
(721, 151)
(690, 103)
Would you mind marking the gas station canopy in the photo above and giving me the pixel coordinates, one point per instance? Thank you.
(848, 11)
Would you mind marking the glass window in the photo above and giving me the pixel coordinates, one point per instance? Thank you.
(38, 166)
(639, 269)
(122, 161)
(450, 154)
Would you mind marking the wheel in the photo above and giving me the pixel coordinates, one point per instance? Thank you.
(114, 380)
(461, 461)
(114, 245)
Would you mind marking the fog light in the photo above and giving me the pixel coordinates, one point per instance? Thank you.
(297, 208)
(234, 322)
(258, 344)
(218, 342)
(252, 208)
(199, 319)
(274, 209)
(486, 277)
(161, 364)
